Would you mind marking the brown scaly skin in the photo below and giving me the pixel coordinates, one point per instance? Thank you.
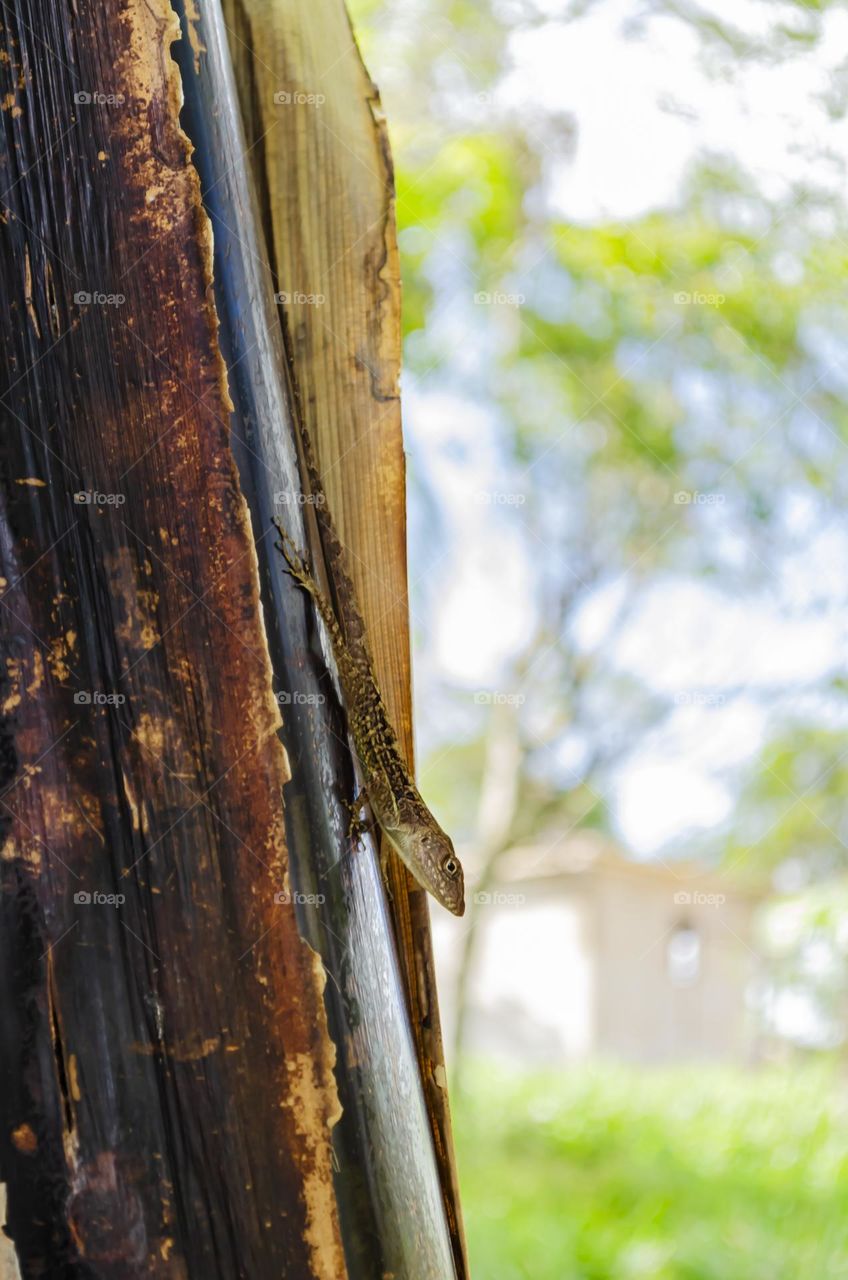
(404, 818)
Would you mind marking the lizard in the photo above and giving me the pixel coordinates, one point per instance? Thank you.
(395, 801)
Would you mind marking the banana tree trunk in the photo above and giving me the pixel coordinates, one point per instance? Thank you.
(208, 1068)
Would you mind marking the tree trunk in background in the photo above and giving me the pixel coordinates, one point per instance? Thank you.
(496, 814)
(168, 1102)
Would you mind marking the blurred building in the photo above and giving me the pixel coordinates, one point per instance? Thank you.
(582, 952)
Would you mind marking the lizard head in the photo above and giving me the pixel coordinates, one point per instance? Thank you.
(430, 856)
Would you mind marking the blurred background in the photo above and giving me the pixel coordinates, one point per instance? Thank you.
(624, 246)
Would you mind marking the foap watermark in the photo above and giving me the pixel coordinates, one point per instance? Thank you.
(291, 698)
(697, 299)
(83, 898)
(496, 698)
(298, 98)
(498, 298)
(697, 898)
(300, 299)
(94, 498)
(499, 498)
(282, 499)
(699, 698)
(94, 298)
(694, 498)
(95, 98)
(499, 898)
(97, 698)
(282, 898)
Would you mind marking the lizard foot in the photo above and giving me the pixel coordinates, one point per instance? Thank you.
(358, 825)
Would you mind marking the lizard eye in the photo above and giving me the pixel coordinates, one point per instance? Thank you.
(450, 866)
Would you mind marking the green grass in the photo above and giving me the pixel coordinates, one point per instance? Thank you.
(695, 1174)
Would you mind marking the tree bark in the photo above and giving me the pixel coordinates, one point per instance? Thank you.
(168, 1102)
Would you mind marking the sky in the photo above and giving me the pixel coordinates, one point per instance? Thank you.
(642, 120)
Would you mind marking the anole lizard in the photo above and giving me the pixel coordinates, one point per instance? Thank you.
(395, 801)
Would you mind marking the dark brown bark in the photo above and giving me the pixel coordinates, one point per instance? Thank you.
(167, 1088)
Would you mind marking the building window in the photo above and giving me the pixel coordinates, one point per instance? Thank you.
(683, 956)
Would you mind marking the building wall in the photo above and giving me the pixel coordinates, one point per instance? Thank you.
(646, 1014)
(579, 966)
(533, 989)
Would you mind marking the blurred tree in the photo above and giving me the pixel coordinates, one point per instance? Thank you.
(662, 392)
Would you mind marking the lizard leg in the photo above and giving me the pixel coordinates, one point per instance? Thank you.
(358, 825)
(384, 807)
(298, 569)
(358, 828)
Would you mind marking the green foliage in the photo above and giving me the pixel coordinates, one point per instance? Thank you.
(605, 1174)
(793, 805)
(698, 349)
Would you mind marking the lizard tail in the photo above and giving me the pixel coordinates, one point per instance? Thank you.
(299, 570)
(345, 595)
